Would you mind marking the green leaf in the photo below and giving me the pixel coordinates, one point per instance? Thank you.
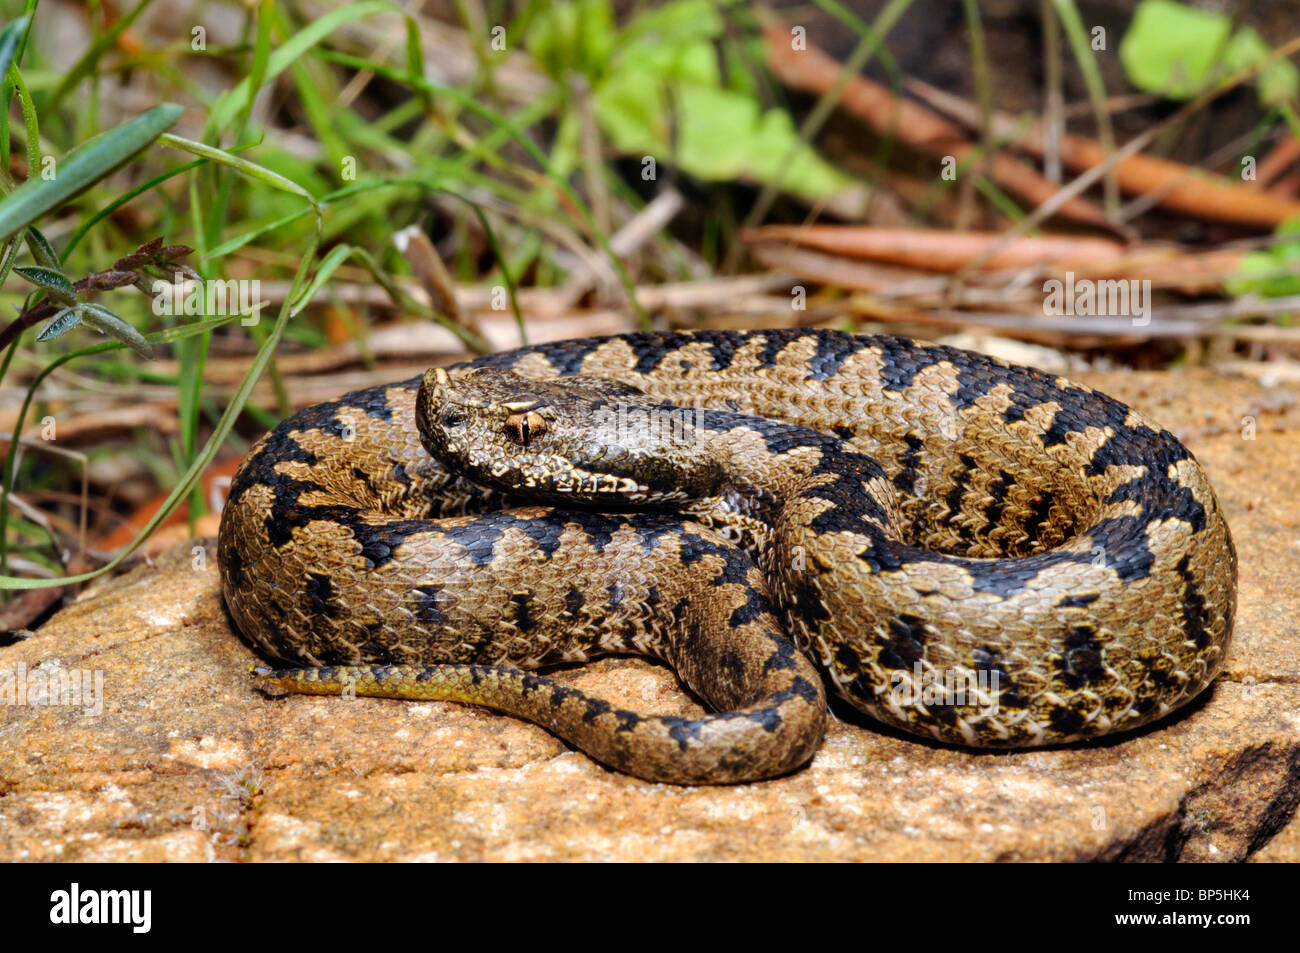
(85, 166)
(574, 36)
(674, 24)
(10, 37)
(1178, 51)
(694, 63)
(664, 97)
(1273, 272)
(717, 129)
(721, 134)
(40, 248)
(99, 317)
(52, 280)
(63, 322)
(1169, 48)
(632, 109)
(808, 174)
(1278, 82)
(1258, 272)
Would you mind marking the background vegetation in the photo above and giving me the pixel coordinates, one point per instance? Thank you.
(588, 166)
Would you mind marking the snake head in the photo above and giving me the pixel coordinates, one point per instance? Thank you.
(570, 440)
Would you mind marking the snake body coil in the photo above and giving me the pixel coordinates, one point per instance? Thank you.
(972, 551)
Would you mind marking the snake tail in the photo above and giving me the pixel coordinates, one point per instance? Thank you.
(785, 725)
(451, 623)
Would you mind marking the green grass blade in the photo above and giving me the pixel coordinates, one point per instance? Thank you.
(84, 167)
(9, 38)
(559, 182)
(201, 462)
(121, 200)
(250, 169)
(1077, 36)
(30, 122)
(229, 105)
(168, 336)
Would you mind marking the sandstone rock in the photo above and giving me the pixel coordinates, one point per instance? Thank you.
(188, 762)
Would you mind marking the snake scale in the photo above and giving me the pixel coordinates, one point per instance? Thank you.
(971, 551)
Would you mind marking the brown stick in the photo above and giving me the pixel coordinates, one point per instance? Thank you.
(813, 71)
(1280, 157)
(1190, 191)
(935, 249)
(897, 270)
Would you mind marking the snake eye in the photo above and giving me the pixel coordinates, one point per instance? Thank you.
(525, 427)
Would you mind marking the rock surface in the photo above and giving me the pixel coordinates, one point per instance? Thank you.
(187, 762)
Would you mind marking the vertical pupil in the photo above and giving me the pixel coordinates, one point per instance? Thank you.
(523, 426)
(520, 430)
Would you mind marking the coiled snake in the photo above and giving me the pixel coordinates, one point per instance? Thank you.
(971, 551)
